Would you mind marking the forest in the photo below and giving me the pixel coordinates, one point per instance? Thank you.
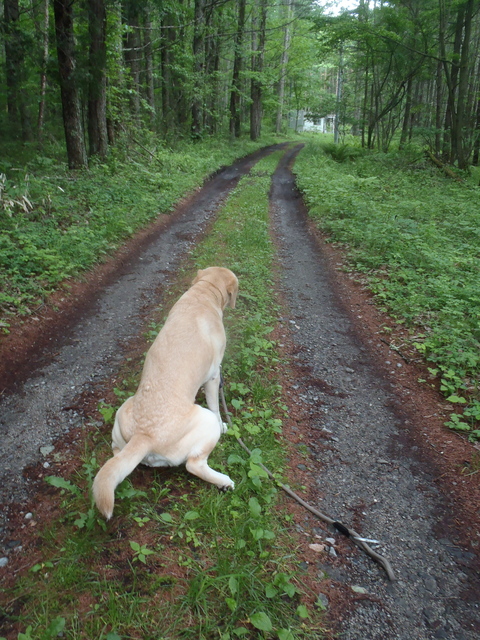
(100, 70)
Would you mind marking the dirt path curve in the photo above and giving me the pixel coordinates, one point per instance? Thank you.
(361, 467)
(84, 345)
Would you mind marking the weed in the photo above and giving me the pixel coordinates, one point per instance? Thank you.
(140, 551)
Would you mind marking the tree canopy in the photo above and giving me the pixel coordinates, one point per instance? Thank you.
(193, 68)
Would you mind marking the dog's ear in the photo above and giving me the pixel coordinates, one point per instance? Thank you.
(198, 276)
(232, 290)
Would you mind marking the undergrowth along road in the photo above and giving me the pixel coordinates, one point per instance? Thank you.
(56, 224)
(412, 235)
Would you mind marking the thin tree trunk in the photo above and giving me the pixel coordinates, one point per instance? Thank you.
(438, 108)
(147, 39)
(132, 53)
(72, 118)
(235, 115)
(451, 75)
(15, 69)
(463, 75)
(365, 101)
(97, 89)
(256, 90)
(165, 64)
(406, 116)
(43, 73)
(283, 65)
(198, 68)
(476, 147)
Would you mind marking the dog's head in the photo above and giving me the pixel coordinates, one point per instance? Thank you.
(222, 279)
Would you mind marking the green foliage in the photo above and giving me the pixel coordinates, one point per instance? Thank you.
(140, 551)
(341, 152)
(55, 225)
(414, 235)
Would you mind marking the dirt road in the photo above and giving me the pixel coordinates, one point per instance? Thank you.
(351, 423)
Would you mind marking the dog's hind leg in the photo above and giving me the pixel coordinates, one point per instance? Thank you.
(199, 467)
(199, 443)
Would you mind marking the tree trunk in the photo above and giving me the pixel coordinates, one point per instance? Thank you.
(258, 54)
(132, 52)
(460, 150)
(235, 115)
(72, 119)
(451, 76)
(476, 147)
(168, 32)
(438, 108)
(97, 89)
(198, 68)
(14, 67)
(283, 65)
(147, 43)
(406, 115)
(43, 73)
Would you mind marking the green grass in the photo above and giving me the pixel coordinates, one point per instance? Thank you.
(179, 559)
(56, 224)
(416, 236)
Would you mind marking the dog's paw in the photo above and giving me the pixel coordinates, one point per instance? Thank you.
(230, 486)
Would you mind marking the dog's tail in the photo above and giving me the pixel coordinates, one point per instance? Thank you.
(116, 470)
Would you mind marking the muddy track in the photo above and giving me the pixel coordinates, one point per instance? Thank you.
(352, 428)
(362, 465)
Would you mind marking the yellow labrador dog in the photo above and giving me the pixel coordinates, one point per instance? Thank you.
(161, 426)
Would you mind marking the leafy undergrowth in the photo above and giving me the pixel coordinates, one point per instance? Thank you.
(55, 223)
(415, 235)
(179, 559)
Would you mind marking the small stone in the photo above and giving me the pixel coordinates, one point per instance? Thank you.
(11, 544)
(47, 450)
(322, 601)
(332, 552)
(358, 589)
(3, 562)
(28, 516)
(330, 540)
(302, 467)
(431, 584)
(46, 465)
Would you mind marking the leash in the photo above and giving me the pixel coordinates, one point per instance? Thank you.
(346, 531)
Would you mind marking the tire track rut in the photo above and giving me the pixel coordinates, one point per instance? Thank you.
(367, 476)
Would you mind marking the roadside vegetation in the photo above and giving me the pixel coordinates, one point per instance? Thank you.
(56, 224)
(414, 235)
(179, 559)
